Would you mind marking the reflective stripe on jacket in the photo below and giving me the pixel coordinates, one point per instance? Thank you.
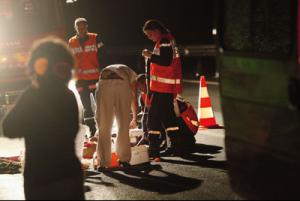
(166, 79)
(87, 64)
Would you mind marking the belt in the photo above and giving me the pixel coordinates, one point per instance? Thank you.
(110, 76)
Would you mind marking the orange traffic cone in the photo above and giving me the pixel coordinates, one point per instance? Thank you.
(114, 160)
(205, 111)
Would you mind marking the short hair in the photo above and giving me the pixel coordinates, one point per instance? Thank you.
(80, 19)
(155, 24)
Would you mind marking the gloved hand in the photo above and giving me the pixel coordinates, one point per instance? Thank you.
(146, 53)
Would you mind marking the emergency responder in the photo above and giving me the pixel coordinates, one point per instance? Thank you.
(187, 120)
(145, 102)
(89, 53)
(165, 84)
(115, 96)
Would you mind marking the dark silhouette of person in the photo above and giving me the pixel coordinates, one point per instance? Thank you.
(46, 116)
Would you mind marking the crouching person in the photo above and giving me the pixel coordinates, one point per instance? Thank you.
(115, 96)
(46, 115)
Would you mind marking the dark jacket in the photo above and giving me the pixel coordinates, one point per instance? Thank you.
(164, 58)
(48, 120)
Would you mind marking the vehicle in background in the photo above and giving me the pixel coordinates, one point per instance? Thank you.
(259, 77)
(22, 22)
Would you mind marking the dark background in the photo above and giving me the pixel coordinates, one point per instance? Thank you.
(263, 27)
(120, 22)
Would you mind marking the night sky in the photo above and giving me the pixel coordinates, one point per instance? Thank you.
(120, 21)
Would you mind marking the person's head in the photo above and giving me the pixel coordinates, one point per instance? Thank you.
(153, 29)
(51, 62)
(81, 26)
(141, 83)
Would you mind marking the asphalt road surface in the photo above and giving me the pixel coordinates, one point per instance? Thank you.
(200, 176)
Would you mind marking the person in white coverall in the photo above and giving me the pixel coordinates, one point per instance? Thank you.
(115, 96)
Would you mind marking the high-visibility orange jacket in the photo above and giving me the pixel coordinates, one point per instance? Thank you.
(189, 116)
(166, 79)
(87, 64)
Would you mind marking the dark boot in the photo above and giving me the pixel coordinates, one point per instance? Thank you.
(92, 125)
(188, 143)
(154, 146)
(176, 144)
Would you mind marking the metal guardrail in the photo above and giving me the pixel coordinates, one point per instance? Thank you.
(9, 97)
(187, 50)
(7, 101)
(198, 50)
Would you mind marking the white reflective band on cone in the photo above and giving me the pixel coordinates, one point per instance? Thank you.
(204, 92)
(206, 113)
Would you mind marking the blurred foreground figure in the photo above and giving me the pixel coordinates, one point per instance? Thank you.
(46, 115)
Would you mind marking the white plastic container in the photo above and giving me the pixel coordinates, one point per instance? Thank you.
(139, 155)
(135, 135)
(79, 141)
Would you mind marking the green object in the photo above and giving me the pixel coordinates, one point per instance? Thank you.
(262, 125)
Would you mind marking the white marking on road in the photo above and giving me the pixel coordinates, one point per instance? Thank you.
(211, 134)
